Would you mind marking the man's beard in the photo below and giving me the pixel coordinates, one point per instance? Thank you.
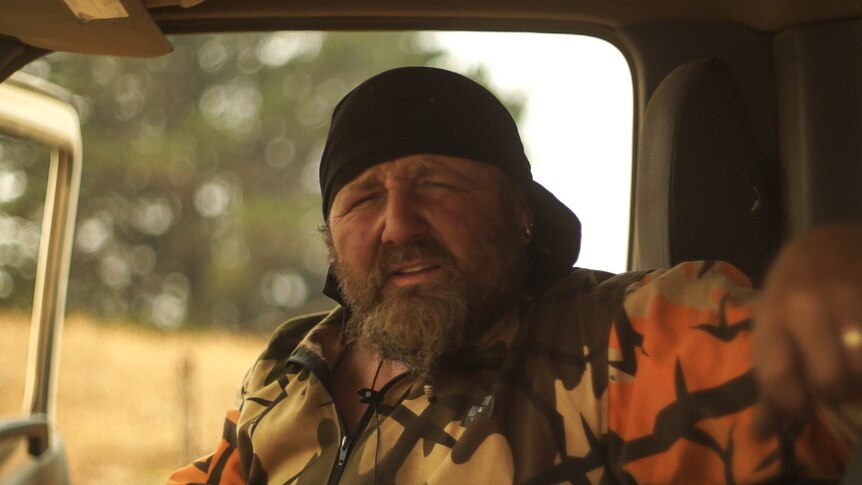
(419, 325)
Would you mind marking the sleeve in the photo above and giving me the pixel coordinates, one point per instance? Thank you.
(222, 467)
(682, 390)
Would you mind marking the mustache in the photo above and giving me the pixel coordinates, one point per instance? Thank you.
(392, 255)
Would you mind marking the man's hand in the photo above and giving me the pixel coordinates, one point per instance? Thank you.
(808, 327)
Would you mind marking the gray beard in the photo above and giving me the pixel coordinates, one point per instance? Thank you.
(412, 327)
(418, 326)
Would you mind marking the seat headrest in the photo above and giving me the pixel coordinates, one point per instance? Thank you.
(703, 191)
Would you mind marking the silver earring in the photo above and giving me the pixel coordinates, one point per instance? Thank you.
(528, 231)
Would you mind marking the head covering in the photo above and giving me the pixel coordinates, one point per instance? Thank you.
(414, 110)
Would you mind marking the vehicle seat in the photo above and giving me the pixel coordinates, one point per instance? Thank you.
(703, 191)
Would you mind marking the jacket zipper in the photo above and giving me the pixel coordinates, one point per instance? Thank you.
(347, 440)
(343, 449)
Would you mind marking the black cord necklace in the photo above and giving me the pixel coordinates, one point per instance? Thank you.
(372, 397)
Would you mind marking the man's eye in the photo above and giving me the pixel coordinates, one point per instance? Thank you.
(363, 200)
(438, 184)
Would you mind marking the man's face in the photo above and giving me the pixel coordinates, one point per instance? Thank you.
(429, 250)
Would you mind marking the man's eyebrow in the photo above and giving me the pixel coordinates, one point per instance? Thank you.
(423, 170)
(367, 183)
(427, 170)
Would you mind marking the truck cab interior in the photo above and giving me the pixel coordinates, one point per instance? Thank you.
(746, 122)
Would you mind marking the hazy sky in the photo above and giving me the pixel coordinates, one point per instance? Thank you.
(576, 125)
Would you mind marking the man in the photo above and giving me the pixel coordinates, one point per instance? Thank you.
(480, 356)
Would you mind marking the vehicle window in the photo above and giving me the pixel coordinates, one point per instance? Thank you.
(196, 230)
(23, 178)
(576, 124)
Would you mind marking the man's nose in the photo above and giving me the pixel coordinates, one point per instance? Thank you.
(403, 222)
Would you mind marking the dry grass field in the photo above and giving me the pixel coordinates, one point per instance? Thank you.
(133, 403)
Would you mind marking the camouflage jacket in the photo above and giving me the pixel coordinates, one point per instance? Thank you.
(636, 378)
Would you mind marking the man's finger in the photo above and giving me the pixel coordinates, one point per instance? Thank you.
(781, 388)
(817, 338)
(851, 344)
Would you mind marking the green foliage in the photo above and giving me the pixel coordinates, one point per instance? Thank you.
(199, 201)
(23, 177)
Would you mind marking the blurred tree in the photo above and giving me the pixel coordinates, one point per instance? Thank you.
(200, 201)
(23, 177)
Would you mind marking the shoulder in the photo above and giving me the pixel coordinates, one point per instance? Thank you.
(289, 334)
(578, 309)
(586, 282)
(583, 288)
(273, 361)
(588, 301)
(694, 285)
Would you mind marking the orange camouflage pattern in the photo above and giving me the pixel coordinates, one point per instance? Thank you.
(637, 378)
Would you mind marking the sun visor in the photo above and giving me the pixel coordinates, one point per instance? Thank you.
(102, 27)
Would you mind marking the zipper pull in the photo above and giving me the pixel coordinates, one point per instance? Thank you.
(342, 451)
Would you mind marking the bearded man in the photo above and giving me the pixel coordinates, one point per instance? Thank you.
(481, 356)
